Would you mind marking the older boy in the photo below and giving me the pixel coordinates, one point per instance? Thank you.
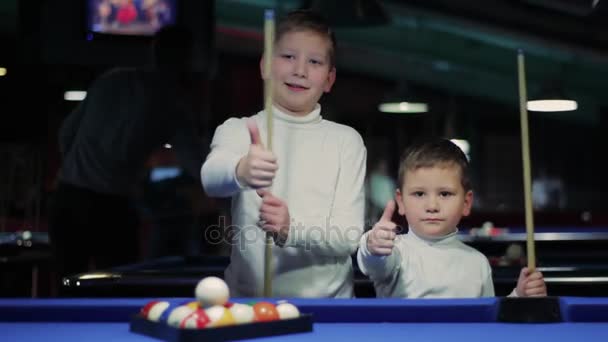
(316, 206)
(430, 261)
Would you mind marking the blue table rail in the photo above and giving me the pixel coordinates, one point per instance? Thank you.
(584, 319)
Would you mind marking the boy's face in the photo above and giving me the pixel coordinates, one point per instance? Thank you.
(433, 199)
(301, 71)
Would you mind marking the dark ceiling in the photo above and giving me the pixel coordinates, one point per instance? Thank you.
(460, 54)
(463, 48)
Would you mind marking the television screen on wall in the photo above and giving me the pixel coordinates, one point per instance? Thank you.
(130, 17)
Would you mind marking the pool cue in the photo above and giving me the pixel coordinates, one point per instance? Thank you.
(268, 44)
(525, 149)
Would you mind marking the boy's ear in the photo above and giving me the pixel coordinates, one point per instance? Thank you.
(468, 203)
(331, 79)
(399, 199)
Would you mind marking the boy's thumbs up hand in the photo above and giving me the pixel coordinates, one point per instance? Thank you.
(258, 167)
(381, 239)
(254, 132)
(387, 215)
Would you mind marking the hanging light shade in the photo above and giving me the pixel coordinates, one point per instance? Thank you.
(552, 105)
(464, 146)
(402, 101)
(349, 13)
(403, 107)
(551, 99)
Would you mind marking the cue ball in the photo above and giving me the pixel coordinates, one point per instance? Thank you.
(212, 291)
(287, 310)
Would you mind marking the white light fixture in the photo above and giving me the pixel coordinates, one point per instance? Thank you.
(397, 101)
(97, 275)
(552, 105)
(74, 95)
(3, 71)
(403, 107)
(551, 97)
(464, 146)
(168, 146)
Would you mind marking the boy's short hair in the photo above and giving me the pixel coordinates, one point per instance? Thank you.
(434, 153)
(308, 20)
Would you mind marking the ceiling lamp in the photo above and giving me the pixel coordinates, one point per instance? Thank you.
(402, 101)
(551, 99)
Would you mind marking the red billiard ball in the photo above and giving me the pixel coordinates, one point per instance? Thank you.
(196, 320)
(146, 309)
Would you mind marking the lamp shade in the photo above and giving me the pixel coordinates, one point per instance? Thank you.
(552, 105)
(551, 98)
(403, 107)
(402, 101)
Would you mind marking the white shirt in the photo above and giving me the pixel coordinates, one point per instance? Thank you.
(428, 268)
(321, 178)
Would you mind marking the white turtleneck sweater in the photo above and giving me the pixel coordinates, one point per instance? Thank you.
(427, 268)
(321, 178)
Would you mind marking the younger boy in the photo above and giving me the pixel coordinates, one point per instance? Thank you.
(430, 261)
(316, 170)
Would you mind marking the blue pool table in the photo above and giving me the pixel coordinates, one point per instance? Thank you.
(584, 319)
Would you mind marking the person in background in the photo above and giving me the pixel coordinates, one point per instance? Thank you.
(128, 113)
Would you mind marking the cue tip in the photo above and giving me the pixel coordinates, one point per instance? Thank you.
(269, 14)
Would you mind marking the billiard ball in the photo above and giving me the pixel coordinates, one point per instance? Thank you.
(196, 320)
(265, 312)
(178, 314)
(164, 317)
(242, 313)
(219, 316)
(146, 309)
(195, 305)
(211, 291)
(287, 310)
(157, 310)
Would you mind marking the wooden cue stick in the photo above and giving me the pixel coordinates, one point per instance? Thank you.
(525, 149)
(268, 44)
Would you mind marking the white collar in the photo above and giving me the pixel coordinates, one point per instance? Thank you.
(433, 240)
(312, 117)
